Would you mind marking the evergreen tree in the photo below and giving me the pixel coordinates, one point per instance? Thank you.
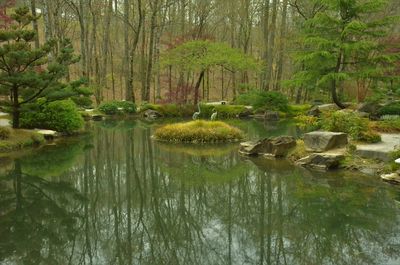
(343, 42)
(26, 73)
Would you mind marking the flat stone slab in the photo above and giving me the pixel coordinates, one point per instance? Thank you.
(381, 151)
(321, 141)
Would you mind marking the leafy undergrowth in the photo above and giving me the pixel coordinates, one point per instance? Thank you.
(386, 126)
(18, 139)
(199, 131)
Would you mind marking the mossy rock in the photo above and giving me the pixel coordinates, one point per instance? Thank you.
(199, 131)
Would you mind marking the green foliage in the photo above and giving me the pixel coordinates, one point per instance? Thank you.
(118, 107)
(343, 42)
(29, 72)
(4, 133)
(61, 116)
(390, 109)
(83, 102)
(264, 100)
(296, 110)
(306, 122)
(199, 131)
(201, 55)
(351, 123)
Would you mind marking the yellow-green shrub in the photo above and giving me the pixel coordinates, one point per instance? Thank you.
(199, 131)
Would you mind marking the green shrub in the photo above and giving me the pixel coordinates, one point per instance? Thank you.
(60, 115)
(118, 107)
(264, 100)
(390, 109)
(109, 108)
(4, 133)
(308, 123)
(350, 123)
(296, 110)
(83, 102)
(199, 131)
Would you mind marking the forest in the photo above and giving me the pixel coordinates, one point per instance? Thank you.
(122, 47)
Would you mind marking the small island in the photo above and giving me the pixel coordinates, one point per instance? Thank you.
(199, 131)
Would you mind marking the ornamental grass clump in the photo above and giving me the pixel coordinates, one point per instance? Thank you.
(199, 131)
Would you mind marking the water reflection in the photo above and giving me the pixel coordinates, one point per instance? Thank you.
(118, 197)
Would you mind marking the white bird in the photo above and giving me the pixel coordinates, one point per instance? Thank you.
(214, 115)
(197, 114)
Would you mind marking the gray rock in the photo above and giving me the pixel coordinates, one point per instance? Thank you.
(322, 161)
(382, 150)
(320, 141)
(277, 146)
(151, 114)
(271, 116)
(246, 113)
(392, 178)
(314, 111)
(369, 107)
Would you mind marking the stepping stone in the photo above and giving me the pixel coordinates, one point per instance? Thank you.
(381, 151)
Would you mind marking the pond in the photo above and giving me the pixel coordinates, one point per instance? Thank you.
(117, 197)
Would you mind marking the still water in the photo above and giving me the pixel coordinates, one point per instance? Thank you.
(117, 197)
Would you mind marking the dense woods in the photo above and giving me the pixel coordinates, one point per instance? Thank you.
(122, 44)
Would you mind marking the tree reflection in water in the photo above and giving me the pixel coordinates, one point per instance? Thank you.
(125, 199)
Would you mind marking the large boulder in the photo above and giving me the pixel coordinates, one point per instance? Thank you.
(320, 141)
(271, 116)
(324, 161)
(277, 146)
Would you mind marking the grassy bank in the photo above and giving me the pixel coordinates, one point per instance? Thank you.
(13, 140)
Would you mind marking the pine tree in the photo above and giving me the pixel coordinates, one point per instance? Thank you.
(28, 73)
(344, 43)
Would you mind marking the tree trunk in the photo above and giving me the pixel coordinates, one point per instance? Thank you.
(35, 24)
(271, 45)
(149, 72)
(282, 45)
(334, 94)
(266, 43)
(197, 87)
(128, 88)
(15, 107)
